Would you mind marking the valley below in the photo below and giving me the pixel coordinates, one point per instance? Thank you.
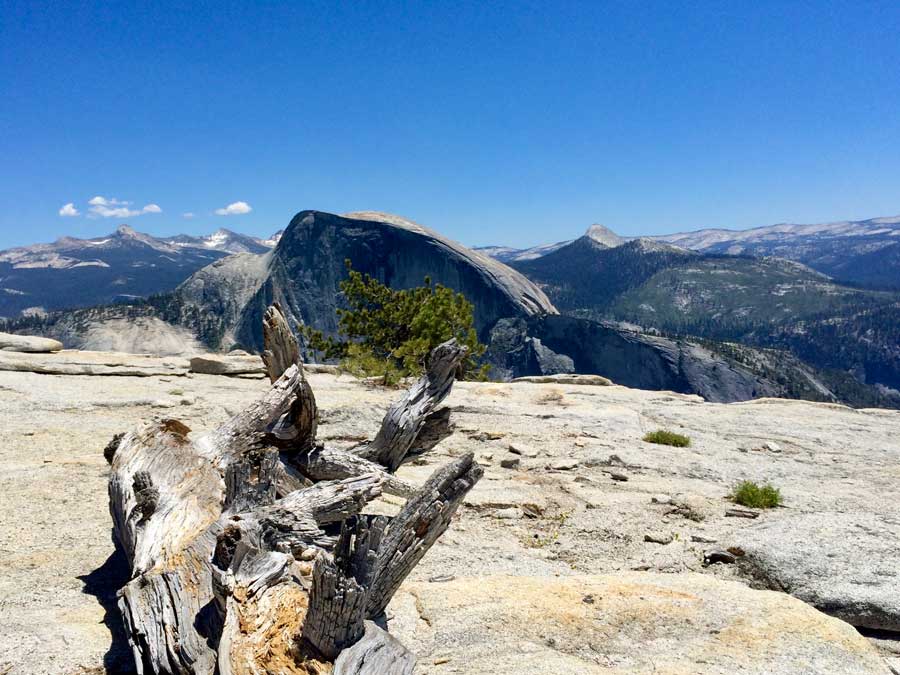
(583, 549)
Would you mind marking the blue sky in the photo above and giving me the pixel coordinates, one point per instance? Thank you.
(508, 123)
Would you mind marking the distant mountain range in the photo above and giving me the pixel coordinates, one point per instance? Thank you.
(593, 279)
(860, 252)
(507, 254)
(865, 252)
(700, 313)
(226, 240)
(125, 265)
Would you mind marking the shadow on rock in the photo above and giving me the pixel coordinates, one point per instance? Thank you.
(103, 583)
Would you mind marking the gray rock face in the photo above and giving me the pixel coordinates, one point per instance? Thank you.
(513, 353)
(626, 357)
(213, 300)
(308, 264)
(28, 343)
(548, 361)
(844, 564)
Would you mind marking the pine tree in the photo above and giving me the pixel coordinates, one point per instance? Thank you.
(389, 333)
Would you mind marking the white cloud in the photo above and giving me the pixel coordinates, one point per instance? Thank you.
(103, 201)
(111, 207)
(187, 215)
(234, 209)
(69, 210)
(107, 212)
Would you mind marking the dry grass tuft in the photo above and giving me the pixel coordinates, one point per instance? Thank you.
(551, 397)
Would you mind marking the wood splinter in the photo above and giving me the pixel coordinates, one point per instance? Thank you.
(248, 547)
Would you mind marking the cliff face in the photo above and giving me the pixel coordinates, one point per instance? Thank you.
(554, 344)
(307, 266)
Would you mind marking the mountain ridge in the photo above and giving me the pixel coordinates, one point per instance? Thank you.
(861, 252)
(71, 272)
(864, 252)
(760, 302)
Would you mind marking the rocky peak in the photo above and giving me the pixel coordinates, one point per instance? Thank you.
(219, 238)
(125, 235)
(274, 239)
(129, 234)
(602, 235)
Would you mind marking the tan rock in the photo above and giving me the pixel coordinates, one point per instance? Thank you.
(325, 368)
(92, 363)
(489, 495)
(53, 430)
(216, 364)
(27, 343)
(594, 380)
(677, 624)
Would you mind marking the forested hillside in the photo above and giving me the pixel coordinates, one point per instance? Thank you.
(850, 333)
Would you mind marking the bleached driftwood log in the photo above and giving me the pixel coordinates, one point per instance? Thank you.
(248, 546)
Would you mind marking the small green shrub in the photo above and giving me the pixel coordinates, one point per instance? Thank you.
(663, 437)
(748, 493)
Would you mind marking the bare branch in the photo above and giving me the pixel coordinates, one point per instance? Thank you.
(406, 418)
(414, 530)
(281, 348)
(324, 463)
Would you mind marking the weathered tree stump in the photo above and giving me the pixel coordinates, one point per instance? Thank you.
(248, 546)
